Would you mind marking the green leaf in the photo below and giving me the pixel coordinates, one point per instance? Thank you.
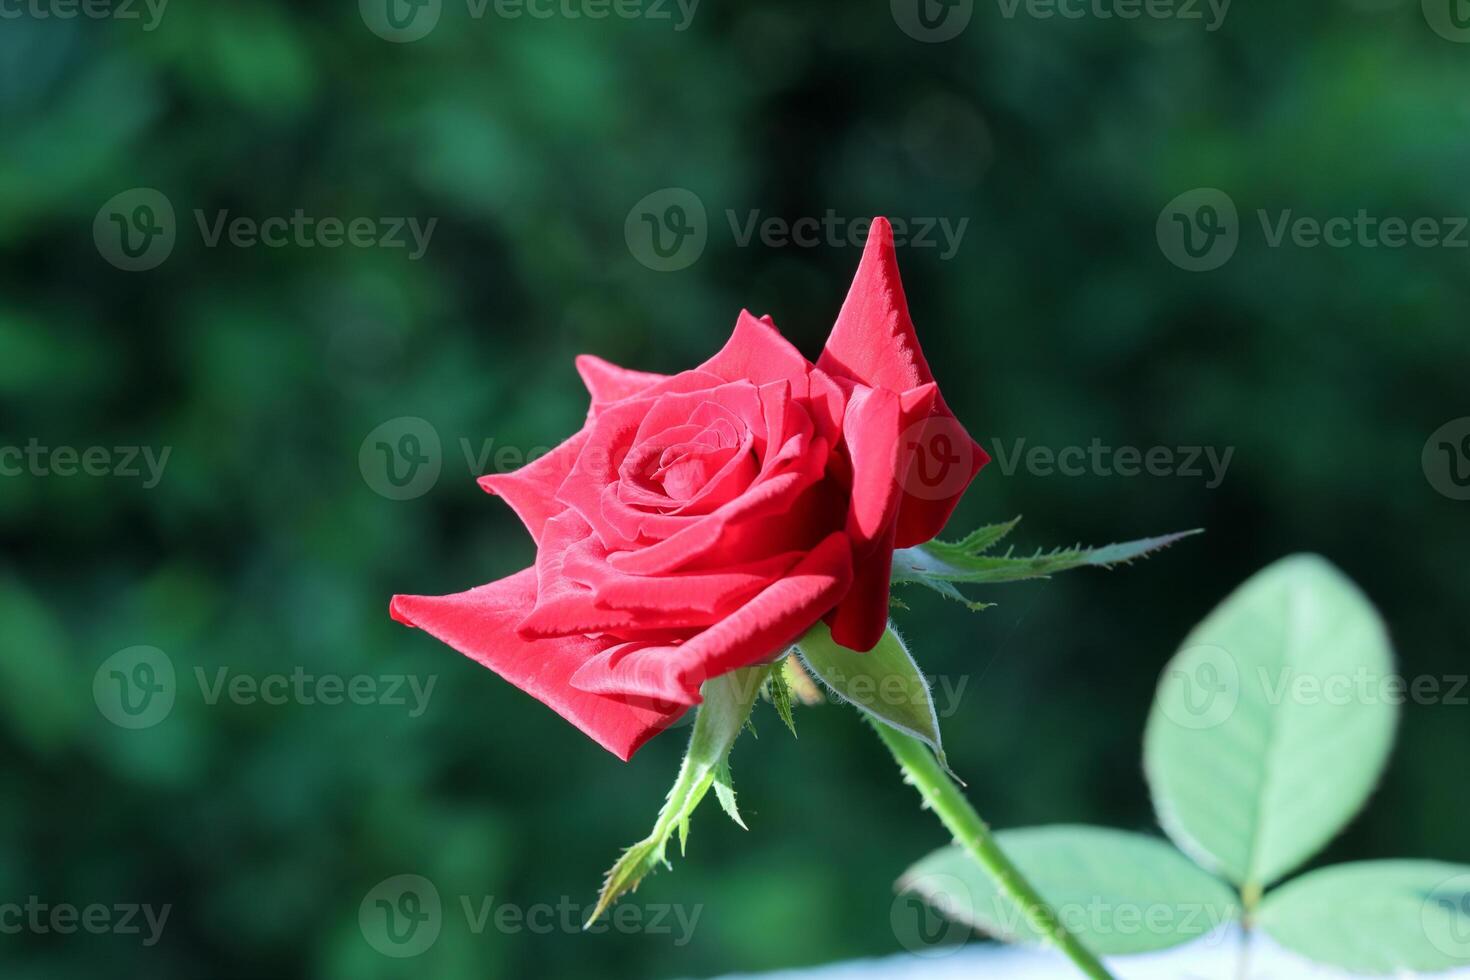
(1376, 917)
(884, 682)
(950, 591)
(780, 695)
(1117, 892)
(728, 700)
(1272, 723)
(725, 793)
(939, 564)
(978, 541)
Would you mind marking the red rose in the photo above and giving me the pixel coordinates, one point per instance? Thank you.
(701, 522)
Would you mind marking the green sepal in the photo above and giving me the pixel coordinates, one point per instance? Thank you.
(883, 682)
(941, 565)
(725, 794)
(780, 695)
(728, 700)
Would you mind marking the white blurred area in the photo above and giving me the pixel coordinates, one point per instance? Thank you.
(1213, 958)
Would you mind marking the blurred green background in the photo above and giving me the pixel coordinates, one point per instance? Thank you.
(266, 547)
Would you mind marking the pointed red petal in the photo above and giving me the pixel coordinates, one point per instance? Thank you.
(871, 430)
(481, 624)
(858, 623)
(606, 382)
(531, 490)
(874, 343)
(873, 340)
(757, 352)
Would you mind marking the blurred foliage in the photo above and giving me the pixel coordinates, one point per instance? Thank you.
(265, 550)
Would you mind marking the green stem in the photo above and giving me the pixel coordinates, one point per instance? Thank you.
(946, 800)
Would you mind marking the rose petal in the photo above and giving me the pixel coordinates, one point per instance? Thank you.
(480, 623)
(566, 601)
(598, 464)
(871, 431)
(874, 343)
(531, 490)
(758, 631)
(607, 383)
(596, 474)
(931, 493)
(756, 352)
(713, 594)
(859, 620)
(738, 401)
(774, 509)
